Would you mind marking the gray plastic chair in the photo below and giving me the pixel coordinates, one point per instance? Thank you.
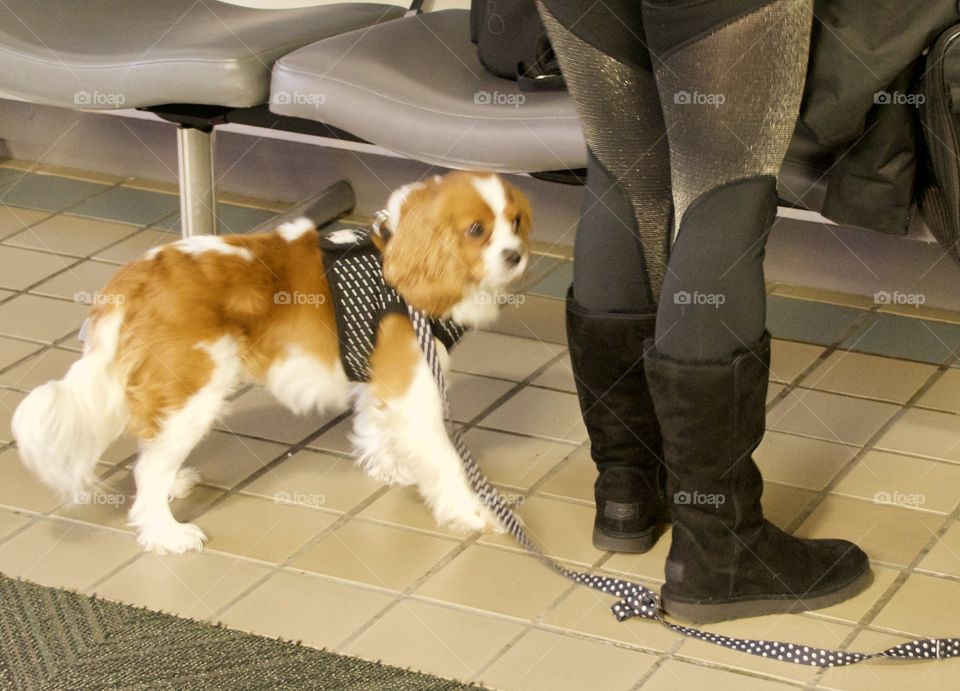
(149, 54)
(416, 86)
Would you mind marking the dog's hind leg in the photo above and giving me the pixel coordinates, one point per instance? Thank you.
(158, 474)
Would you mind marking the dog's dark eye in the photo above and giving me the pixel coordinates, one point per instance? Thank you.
(476, 230)
(516, 224)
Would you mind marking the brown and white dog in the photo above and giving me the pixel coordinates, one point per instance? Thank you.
(177, 331)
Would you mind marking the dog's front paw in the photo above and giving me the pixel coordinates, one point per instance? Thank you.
(470, 518)
(494, 523)
(187, 478)
(387, 471)
(172, 538)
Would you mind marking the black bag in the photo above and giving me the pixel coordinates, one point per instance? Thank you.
(940, 115)
(513, 44)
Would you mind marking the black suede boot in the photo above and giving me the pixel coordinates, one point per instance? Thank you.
(725, 560)
(606, 353)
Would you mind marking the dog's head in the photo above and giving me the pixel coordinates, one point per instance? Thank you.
(456, 240)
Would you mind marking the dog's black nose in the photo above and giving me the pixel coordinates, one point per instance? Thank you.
(511, 257)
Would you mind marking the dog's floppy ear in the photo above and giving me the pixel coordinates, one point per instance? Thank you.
(524, 210)
(422, 259)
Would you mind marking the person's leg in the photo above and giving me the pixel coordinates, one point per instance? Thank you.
(730, 75)
(620, 257)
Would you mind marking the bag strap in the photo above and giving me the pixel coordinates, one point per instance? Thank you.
(637, 600)
(544, 74)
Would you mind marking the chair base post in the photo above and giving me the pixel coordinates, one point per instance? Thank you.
(198, 208)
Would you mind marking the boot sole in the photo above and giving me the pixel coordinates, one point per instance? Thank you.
(707, 613)
(638, 543)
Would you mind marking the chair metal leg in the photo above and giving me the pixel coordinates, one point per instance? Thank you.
(198, 209)
(321, 208)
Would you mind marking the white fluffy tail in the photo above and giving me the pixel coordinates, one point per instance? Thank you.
(63, 427)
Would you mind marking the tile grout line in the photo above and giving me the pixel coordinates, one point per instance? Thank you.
(458, 548)
(538, 618)
(865, 623)
(534, 490)
(235, 489)
(662, 659)
(290, 451)
(793, 385)
(562, 462)
(53, 214)
(829, 349)
(717, 666)
(904, 573)
(867, 446)
(344, 518)
(276, 568)
(474, 537)
(518, 386)
(46, 347)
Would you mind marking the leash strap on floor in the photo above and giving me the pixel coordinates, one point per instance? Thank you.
(639, 601)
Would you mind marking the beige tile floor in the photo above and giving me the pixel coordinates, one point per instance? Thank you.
(304, 546)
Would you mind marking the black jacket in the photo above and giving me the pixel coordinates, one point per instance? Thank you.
(859, 123)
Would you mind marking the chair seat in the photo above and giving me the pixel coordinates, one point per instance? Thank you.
(133, 53)
(416, 86)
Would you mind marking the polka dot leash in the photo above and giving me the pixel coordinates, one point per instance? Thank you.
(637, 600)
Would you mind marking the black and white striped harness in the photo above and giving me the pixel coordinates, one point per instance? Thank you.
(361, 297)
